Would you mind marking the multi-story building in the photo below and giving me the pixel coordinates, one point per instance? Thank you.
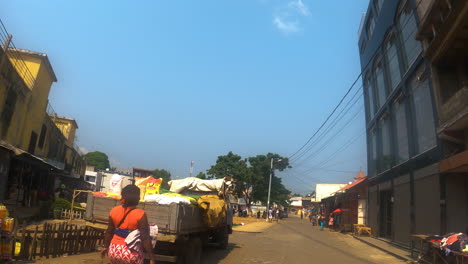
(443, 32)
(401, 117)
(33, 150)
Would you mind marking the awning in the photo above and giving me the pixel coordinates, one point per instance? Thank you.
(25, 155)
(455, 164)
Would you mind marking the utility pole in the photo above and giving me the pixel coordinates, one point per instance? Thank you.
(269, 187)
(191, 168)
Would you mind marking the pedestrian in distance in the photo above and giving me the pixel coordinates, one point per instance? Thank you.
(331, 222)
(322, 222)
(124, 219)
(302, 214)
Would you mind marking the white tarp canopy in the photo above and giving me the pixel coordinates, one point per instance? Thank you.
(199, 185)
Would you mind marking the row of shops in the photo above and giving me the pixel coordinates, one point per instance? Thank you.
(27, 182)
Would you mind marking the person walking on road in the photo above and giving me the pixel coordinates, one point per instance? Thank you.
(322, 222)
(124, 219)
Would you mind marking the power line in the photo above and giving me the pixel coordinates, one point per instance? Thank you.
(324, 145)
(352, 86)
(330, 126)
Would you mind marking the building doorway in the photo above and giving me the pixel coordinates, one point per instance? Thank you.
(386, 214)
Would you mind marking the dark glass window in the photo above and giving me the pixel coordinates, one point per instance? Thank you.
(373, 150)
(424, 116)
(380, 84)
(393, 62)
(378, 5)
(385, 159)
(401, 130)
(370, 26)
(408, 28)
(370, 96)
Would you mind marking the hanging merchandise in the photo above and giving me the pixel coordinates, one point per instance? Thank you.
(116, 184)
(152, 186)
(8, 224)
(3, 211)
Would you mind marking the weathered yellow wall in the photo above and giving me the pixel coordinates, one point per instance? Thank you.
(68, 129)
(34, 107)
(10, 78)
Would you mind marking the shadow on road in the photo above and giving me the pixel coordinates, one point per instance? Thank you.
(212, 255)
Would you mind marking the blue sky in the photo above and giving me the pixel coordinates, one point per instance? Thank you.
(156, 84)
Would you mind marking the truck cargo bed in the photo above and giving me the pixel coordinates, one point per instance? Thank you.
(178, 219)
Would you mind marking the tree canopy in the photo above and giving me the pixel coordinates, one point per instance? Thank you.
(202, 176)
(252, 176)
(98, 159)
(165, 175)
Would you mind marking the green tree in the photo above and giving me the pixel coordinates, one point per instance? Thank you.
(252, 176)
(201, 175)
(232, 165)
(165, 175)
(98, 159)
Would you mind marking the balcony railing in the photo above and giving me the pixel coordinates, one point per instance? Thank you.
(13, 53)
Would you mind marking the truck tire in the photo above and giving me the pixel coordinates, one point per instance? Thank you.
(222, 238)
(194, 251)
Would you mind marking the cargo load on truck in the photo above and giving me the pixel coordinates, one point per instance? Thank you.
(191, 214)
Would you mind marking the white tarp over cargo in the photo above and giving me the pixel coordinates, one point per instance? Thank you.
(199, 185)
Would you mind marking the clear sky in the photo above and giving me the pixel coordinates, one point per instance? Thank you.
(155, 84)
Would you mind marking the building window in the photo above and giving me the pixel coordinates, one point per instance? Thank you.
(90, 178)
(385, 159)
(42, 136)
(373, 150)
(424, 116)
(393, 62)
(380, 84)
(370, 26)
(9, 107)
(369, 96)
(378, 5)
(408, 28)
(32, 142)
(401, 130)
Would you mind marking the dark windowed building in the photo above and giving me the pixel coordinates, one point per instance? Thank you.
(401, 123)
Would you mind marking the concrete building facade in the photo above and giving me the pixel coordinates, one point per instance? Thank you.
(401, 118)
(443, 31)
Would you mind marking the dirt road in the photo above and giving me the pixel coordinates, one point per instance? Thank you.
(288, 242)
(295, 241)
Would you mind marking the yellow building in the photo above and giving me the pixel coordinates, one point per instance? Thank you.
(37, 151)
(26, 98)
(68, 127)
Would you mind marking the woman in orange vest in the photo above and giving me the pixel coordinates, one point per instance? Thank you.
(124, 219)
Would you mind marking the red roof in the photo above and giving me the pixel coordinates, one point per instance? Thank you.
(359, 178)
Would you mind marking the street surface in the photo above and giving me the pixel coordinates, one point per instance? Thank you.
(292, 240)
